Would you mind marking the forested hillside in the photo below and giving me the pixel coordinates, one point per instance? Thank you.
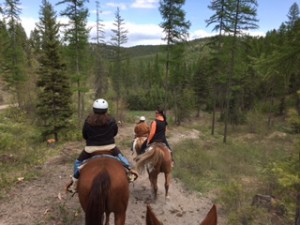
(56, 73)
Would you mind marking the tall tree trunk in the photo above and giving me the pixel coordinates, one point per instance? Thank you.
(270, 112)
(213, 117)
(167, 77)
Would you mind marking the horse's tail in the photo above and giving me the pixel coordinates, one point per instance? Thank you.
(149, 158)
(97, 201)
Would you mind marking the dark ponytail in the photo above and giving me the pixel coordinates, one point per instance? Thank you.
(161, 112)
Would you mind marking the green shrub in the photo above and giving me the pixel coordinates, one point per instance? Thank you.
(293, 119)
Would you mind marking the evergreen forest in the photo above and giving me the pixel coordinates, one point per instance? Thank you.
(51, 78)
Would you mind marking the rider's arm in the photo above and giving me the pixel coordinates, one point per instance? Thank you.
(152, 131)
(114, 126)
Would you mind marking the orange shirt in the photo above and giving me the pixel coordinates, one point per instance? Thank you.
(153, 127)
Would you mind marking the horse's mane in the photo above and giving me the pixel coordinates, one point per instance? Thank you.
(150, 157)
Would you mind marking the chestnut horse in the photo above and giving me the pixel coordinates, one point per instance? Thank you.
(103, 188)
(157, 159)
(210, 219)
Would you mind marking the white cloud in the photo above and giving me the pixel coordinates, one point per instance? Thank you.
(138, 34)
(121, 6)
(103, 13)
(29, 24)
(146, 4)
(256, 33)
(201, 34)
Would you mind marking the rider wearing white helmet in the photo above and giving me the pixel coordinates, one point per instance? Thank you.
(100, 106)
(99, 130)
(141, 129)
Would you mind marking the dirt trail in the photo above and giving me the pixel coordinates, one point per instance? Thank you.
(43, 201)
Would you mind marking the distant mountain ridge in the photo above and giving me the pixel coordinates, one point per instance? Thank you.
(140, 51)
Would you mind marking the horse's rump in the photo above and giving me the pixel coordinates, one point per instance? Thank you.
(152, 157)
(103, 188)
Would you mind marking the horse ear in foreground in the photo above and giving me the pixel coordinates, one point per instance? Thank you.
(157, 160)
(210, 219)
(103, 188)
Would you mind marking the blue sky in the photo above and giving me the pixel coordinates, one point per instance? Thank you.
(142, 17)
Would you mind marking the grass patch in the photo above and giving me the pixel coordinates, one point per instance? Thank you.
(246, 165)
(21, 150)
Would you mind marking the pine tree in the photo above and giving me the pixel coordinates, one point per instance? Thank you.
(175, 27)
(221, 16)
(293, 15)
(4, 40)
(238, 16)
(54, 106)
(14, 74)
(220, 19)
(100, 76)
(99, 25)
(76, 36)
(117, 40)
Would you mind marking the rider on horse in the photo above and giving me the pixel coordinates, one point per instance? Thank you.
(99, 130)
(158, 130)
(141, 130)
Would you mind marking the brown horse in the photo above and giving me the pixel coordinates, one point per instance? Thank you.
(210, 219)
(137, 144)
(157, 159)
(103, 188)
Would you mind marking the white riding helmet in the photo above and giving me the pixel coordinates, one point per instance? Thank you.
(142, 118)
(100, 106)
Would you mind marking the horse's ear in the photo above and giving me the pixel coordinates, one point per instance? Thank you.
(151, 218)
(211, 217)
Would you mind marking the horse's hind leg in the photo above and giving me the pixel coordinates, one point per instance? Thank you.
(153, 181)
(120, 218)
(167, 184)
(107, 218)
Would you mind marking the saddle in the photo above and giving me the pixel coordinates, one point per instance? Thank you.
(156, 144)
(94, 150)
(132, 175)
